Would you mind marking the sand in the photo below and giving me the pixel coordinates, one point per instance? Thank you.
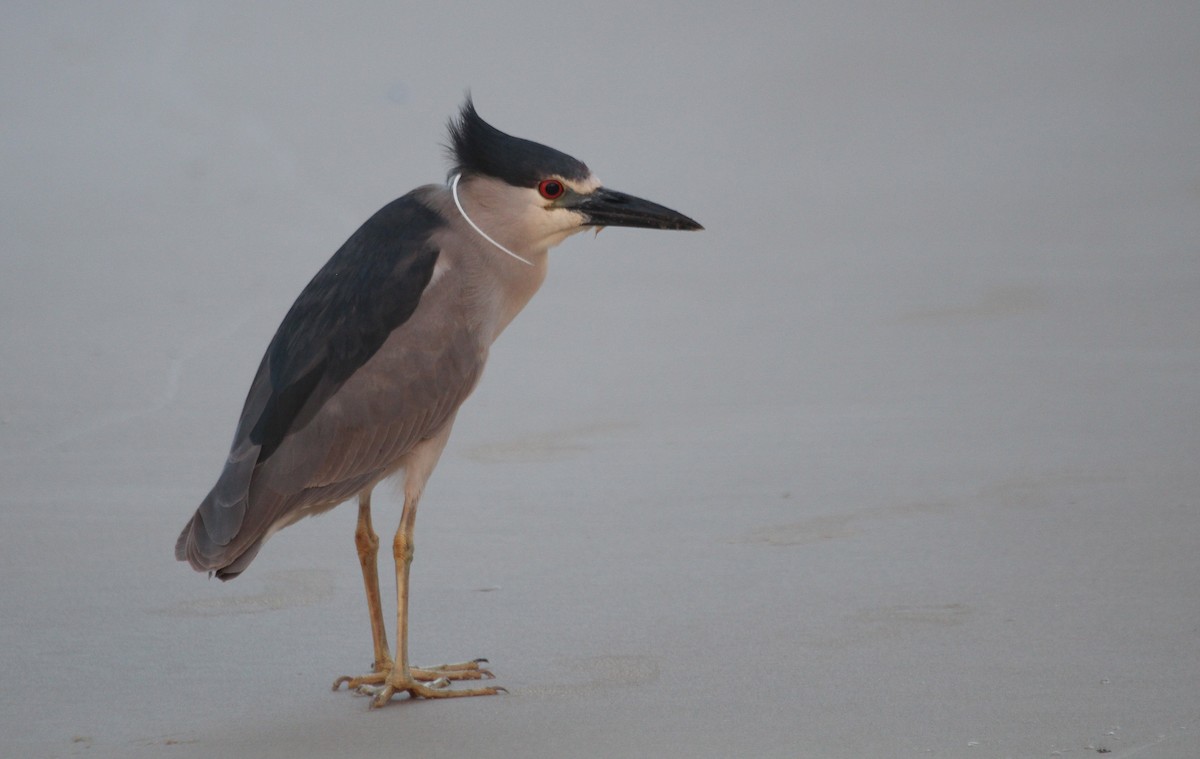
(899, 458)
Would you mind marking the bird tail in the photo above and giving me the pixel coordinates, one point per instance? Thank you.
(210, 540)
(197, 548)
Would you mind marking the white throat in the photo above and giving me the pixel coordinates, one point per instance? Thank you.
(484, 235)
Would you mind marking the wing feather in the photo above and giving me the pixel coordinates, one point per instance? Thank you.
(298, 404)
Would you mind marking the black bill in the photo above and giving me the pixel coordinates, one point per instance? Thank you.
(609, 208)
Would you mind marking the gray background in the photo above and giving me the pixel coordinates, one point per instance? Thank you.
(898, 458)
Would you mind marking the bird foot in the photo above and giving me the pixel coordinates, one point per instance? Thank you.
(420, 682)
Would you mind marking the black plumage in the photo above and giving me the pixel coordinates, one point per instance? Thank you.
(477, 147)
(370, 286)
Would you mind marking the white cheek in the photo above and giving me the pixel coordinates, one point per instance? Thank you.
(559, 224)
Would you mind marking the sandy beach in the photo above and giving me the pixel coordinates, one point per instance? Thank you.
(900, 457)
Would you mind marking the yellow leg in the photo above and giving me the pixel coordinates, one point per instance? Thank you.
(402, 677)
(424, 677)
(390, 675)
(367, 543)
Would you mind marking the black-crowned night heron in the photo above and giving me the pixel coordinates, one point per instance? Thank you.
(366, 373)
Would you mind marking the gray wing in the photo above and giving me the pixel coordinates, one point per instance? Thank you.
(350, 382)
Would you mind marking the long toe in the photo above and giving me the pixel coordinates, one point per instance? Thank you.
(420, 682)
(354, 683)
(467, 670)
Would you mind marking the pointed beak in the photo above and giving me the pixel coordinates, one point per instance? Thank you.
(609, 208)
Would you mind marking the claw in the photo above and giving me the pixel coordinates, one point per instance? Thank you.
(355, 683)
(382, 696)
(420, 682)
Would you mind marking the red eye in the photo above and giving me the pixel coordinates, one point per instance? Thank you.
(551, 189)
